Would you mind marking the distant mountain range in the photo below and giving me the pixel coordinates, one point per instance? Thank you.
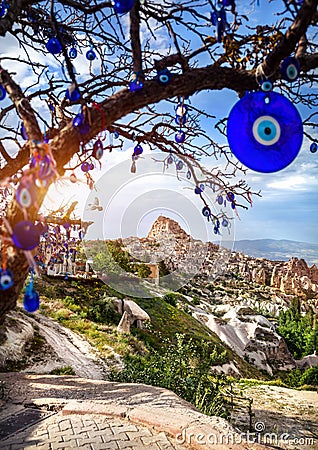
(272, 249)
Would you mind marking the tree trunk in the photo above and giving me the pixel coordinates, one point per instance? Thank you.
(19, 267)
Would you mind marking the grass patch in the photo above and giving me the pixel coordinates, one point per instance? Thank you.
(87, 308)
(67, 370)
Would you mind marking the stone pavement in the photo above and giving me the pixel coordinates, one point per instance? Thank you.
(92, 414)
(91, 432)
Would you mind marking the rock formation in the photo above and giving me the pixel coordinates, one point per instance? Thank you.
(131, 313)
(251, 336)
(177, 247)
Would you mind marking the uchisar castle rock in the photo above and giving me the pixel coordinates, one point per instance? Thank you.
(239, 297)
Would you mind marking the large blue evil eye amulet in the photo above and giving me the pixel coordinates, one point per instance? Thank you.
(6, 279)
(122, 6)
(265, 131)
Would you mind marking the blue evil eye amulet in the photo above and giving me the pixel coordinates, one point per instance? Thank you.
(31, 299)
(6, 279)
(54, 46)
(164, 76)
(180, 137)
(25, 235)
(98, 150)
(122, 6)
(290, 69)
(265, 131)
(72, 53)
(2, 92)
(90, 55)
(138, 150)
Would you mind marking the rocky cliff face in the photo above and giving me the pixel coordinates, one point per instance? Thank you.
(292, 278)
(233, 303)
(251, 336)
(164, 227)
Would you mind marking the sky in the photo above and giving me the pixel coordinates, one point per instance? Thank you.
(287, 208)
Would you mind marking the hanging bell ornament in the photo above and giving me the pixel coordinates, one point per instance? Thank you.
(133, 167)
(73, 178)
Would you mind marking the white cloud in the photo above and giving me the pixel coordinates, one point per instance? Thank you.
(294, 183)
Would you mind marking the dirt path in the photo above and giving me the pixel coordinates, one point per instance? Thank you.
(286, 417)
(69, 348)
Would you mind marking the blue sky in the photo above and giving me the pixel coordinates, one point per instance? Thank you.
(288, 206)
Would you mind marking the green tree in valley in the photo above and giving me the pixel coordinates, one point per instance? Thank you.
(299, 331)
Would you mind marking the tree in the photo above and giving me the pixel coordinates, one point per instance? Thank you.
(143, 271)
(156, 42)
(299, 331)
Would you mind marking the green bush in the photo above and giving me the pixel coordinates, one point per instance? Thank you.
(299, 331)
(293, 378)
(102, 310)
(67, 370)
(297, 378)
(171, 298)
(183, 368)
(310, 376)
(62, 314)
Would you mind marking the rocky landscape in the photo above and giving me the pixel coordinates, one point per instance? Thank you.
(236, 298)
(233, 292)
(175, 246)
